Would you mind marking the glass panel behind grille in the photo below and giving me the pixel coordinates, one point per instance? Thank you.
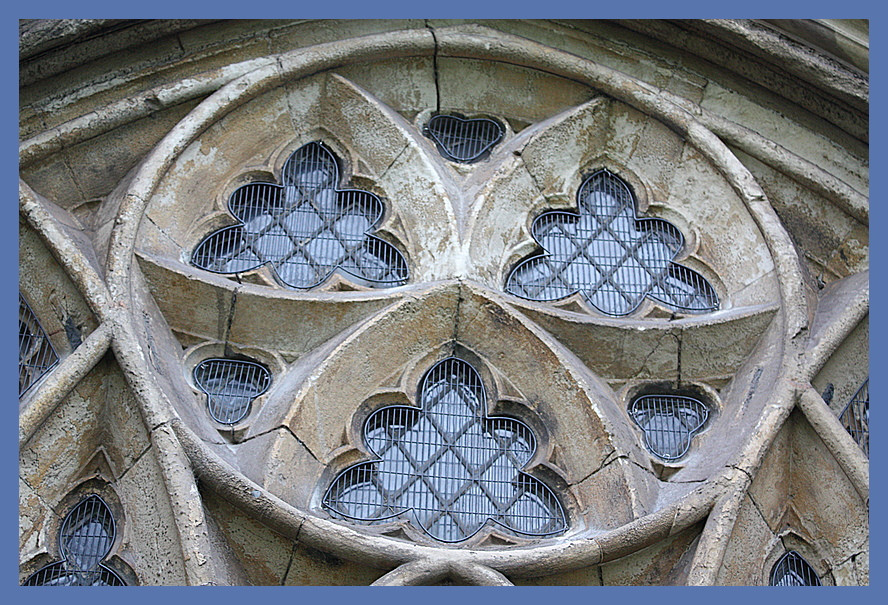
(793, 570)
(449, 464)
(669, 422)
(36, 354)
(304, 229)
(855, 417)
(614, 259)
(230, 385)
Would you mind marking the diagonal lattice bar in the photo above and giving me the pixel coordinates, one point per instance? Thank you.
(613, 258)
(304, 229)
(855, 417)
(449, 464)
(36, 353)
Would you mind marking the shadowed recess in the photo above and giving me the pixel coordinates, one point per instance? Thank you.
(855, 417)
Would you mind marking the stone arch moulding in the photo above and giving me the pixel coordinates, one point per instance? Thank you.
(221, 476)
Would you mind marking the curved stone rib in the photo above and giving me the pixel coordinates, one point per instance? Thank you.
(506, 48)
(335, 538)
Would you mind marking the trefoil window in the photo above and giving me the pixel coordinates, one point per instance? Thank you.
(669, 422)
(613, 258)
(448, 463)
(230, 385)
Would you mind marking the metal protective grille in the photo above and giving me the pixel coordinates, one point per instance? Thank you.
(230, 385)
(36, 354)
(462, 140)
(669, 422)
(855, 417)
(610, 256)
(793, 570)
(304, 229)
(449, 464)
(85, 539)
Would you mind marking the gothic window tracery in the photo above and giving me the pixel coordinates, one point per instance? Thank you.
(613, 258)
(449, 464)
(304, 229)
(459, 211)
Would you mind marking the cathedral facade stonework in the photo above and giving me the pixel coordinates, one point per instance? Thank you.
(433, 302)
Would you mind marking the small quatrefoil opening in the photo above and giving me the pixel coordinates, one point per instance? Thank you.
(449, 464)
(231, 385)
(85, 539)
(304, 229)
(613, 258)
(669, 422)
(463, 140)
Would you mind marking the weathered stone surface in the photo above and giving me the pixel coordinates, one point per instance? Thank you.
(765, 186)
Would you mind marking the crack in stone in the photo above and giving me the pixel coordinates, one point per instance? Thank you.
(226, 348)
(289, 564)
(605, 462)
(39, 497)
(394, 160)
(161, 229)
(654, 349)
(459, 298)
(137, 459)
(678, 340)
(435, 66)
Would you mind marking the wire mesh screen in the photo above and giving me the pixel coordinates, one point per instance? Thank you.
(36, 354)
(449, 464)
(464, 140)
(793, 570)
(610, 256)
(855, 417)
(304, 229)
(669, 422)
(85, 539)
(230, 385)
